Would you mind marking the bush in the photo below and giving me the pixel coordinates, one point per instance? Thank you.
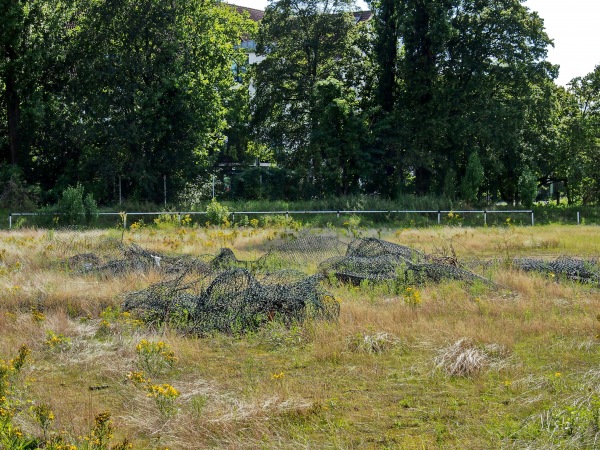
(73, 208)
(15, 194)
(216, 213)
(199, 192)
(472, 180)
(528, 187)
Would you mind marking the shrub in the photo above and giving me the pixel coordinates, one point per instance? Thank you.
(74, 208)
(14, 191)
(528, 187)
(155, 357)
(164, 395)
(197, 193)
(57, 342)
(412, 297)
(472, 180)
(216, 213)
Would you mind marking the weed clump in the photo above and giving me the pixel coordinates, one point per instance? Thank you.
(155, 357)
(461, 359)
(372, 342)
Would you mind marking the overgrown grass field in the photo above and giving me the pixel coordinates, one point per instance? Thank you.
(450, 365)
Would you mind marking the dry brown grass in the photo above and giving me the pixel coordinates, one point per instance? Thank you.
(368, 381)
(496, 241)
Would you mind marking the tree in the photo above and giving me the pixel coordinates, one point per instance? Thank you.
(582, 132)
(381, 57)
(465, 72)
(497, 77)
(32, 36)
(386, 28)
(471, 182)
(308, 46)
(337, 139)
(150, 85)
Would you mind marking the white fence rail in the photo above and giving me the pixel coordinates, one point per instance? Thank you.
(232, 214)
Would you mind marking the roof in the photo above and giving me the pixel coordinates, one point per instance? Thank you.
(255, 14)
(362, 16)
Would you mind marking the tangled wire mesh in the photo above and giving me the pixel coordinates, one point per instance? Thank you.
(233, 301)
(579, 270)
(376, 260)
(301, 253)
(223, 293)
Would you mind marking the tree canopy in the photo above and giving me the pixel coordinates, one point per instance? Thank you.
(142, 91)
(453, 98)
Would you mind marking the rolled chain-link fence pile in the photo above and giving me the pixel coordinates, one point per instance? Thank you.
(109, 257)
(241, 295)
(574, 269)
(220, 292)
(375, 260)
(234, 300)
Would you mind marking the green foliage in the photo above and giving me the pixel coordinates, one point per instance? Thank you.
(57, 341)
(461, 82)
(164, 396)
(136, 91)
(336, 137)
(301, 108)
(73, 208)
(174, 83)
(580, 138)
(216, 213)
(15, 194)
(471, 182)
(450, 184)
(11, 436)
(155, 357)
(272, 183)
(528, 188)
(199, 192)
(32, 36)
(119, 94)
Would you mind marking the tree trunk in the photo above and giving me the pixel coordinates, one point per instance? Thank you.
(423, 181)
(568, 192)
(386, 50)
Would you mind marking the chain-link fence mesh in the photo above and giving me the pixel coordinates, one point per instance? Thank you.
(579, 270)
(220, 292)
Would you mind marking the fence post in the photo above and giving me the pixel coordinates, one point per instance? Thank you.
(338, 214)
(179, 218)
(10, 221)
(233, 217)
(125, 221)
(532, 220)
(287, 215)
(485, 217)
(439, 217)
(578, 222)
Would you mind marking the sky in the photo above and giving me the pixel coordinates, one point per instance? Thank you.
(574, 25)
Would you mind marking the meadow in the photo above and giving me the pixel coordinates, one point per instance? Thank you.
(452, 365)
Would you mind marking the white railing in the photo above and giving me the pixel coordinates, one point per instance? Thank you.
(232, 214)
